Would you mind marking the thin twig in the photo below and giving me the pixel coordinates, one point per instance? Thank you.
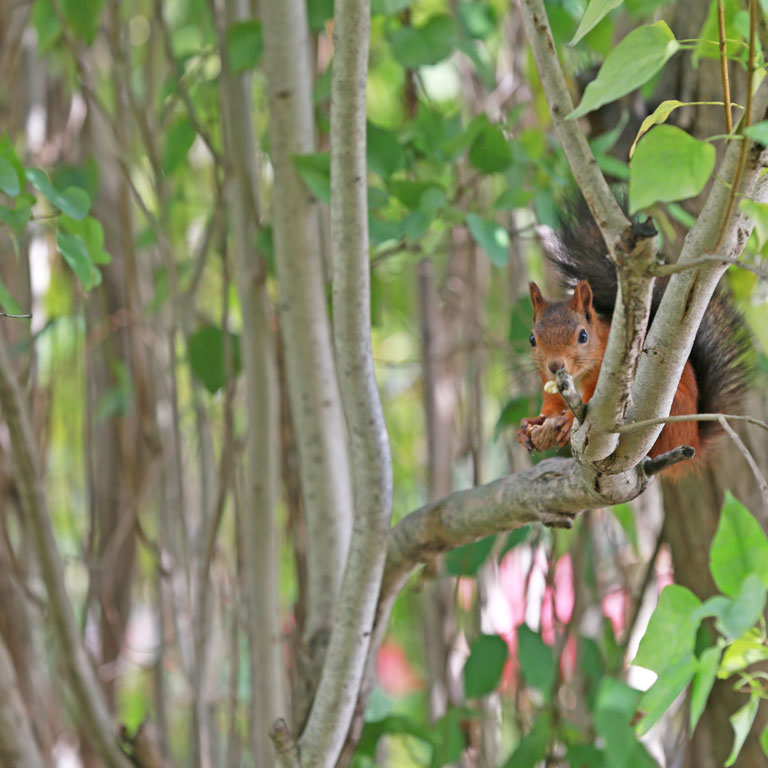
(629, 426)
(638, 603)
(568, 392)
(663, 270)
(724, 66)
(285, 745)
(675, 456)
(17, 317)
(746, 121)
(745, 452)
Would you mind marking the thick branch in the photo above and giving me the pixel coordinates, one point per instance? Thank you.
(634, 253)
(337, 693)
(668, 344)
(553, 492)
(92, 709)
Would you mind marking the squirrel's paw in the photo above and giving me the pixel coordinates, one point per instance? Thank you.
(563, 426)
(553, 432)
(524, 433)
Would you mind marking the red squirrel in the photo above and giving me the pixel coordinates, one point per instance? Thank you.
(573, 333)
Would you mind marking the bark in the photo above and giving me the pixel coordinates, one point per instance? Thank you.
(259, 524)
(18, 747)
(309, 356)
(337, 692)
(93, 712)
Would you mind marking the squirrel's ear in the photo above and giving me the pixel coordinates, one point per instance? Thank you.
(536, 298)
(582, 300)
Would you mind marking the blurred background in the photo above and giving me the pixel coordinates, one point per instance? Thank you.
(511, 651)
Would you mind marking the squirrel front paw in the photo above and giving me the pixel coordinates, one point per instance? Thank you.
(524, 433)
(544, 433)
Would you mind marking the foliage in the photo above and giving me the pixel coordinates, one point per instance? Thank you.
(466, 178)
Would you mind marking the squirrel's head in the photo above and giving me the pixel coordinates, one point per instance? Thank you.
(565, 332)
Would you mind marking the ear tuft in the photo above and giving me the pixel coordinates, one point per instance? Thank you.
(537, 300)
(582, 300)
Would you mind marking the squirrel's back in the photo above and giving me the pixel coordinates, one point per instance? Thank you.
(721, 351)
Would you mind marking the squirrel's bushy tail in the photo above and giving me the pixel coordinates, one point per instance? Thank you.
(722, 349)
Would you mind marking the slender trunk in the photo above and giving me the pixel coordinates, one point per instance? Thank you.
(259, 524)
(309, 355)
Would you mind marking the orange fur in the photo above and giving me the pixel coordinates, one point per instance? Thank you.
(558, 331)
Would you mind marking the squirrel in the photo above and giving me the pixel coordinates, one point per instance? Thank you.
(573, 334)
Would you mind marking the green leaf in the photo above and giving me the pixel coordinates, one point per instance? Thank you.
(758, 132)
(585, 756)
(533, 747)
(46, 24)
(596, 10)
(491, 237)
(18, 217)
(663, 148)
(702, 684)
(657, 117)
(671, 633)
(83, 16)
(464, 561)
(384, 153)
(748, 649)
(206, 349)
(660, 696)
(764, 740)
(449, 738)
(739, 548)
(742, 614)
(478, 19)
(388, 7)
(614, 708)
(245, 45)
(8, 153)
(537, 661)
(484, 666)
(758, 212)
(741, 722)
(9, 181)
(92, 234)
(178, 141)
(318, 12)
(7, 302)
(73, 201)
(421, 46)
(315, 171)
(513, 198)
(73, 249)
(634, 61)
(490, 151)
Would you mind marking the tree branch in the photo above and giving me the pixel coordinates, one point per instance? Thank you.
(337, 692)
(313, 387)
(686, 296)
(611, 220)
(93, 712)
(18, 747)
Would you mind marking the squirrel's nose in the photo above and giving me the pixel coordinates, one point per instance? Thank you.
(556, 364)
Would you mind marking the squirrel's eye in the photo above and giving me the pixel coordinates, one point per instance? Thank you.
(532, 339)
(582, 336)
